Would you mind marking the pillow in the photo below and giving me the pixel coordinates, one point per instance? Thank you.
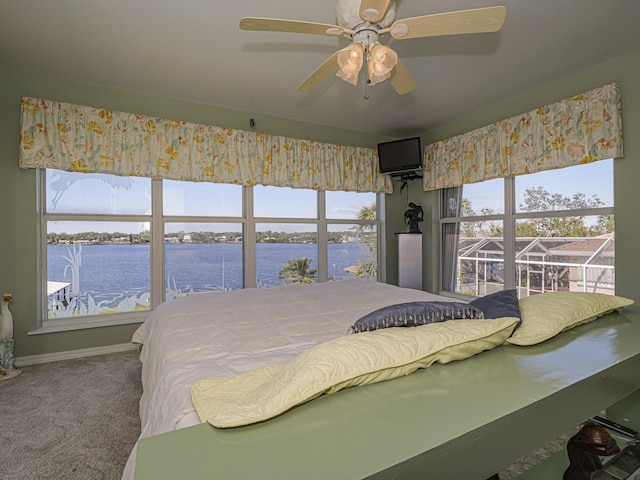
(546, 315)
(346, 361)
(412, 314)
(500, 304)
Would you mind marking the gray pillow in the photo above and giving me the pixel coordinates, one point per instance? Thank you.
(412, 314)
(503, 303)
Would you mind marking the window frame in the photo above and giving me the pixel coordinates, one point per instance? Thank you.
(157, 221)
(509, 219)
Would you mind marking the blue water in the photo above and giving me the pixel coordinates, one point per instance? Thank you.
(109, 273)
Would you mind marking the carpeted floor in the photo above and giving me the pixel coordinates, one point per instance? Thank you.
(70, 420)
(78, 420)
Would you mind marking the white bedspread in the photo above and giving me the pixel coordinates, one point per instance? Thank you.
(222, 334)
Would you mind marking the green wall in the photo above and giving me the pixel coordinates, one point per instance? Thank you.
(18, 216)
(625, 71)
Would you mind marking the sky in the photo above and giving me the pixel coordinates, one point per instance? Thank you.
(594, 178)
(96, 196)
(206, 199)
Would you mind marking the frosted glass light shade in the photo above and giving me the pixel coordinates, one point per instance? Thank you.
(375, 77)
(350, 60)
(383, 59)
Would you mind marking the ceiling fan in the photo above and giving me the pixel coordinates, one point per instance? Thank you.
(364, 22)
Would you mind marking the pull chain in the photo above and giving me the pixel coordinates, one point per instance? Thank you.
(367, 59)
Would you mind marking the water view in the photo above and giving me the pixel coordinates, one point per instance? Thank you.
(115, 277)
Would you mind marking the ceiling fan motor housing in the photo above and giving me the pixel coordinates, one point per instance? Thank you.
(348, 14)
(367, 36)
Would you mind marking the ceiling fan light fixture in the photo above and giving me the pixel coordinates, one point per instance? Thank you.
(352, 78)
(350, 60)
(382, 59)
(375, 77)
(363, 22)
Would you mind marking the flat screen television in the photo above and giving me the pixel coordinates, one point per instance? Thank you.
(400, 156)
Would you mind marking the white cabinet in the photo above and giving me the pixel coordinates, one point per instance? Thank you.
(410, 260)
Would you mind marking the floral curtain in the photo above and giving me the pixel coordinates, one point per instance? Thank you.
(581, 129)
(86, 139)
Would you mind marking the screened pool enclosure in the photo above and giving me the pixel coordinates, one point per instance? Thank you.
(543, 264)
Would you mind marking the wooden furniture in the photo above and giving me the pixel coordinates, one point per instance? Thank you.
(467, 419)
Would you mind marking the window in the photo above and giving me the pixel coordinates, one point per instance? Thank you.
(341, 244)
(116, 247)
(202, 257)
(352, 248)
(203, 237)
(286, 253)
(97, 252)
(548, 231)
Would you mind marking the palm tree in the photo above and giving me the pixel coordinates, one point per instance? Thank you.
(367, 212)
(368, 267)
(298, 271)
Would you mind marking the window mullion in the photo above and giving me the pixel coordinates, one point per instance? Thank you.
(323, 238)
(157, 245)
(509, 233)
(580, 212)
(42, 250)
(94, 217)
(381, 242)
(249, 239)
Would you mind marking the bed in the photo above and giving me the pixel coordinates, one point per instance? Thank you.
(396, 429)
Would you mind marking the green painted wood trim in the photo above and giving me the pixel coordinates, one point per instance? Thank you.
(477, 415)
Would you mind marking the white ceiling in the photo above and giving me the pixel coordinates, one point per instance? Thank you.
(194, 50)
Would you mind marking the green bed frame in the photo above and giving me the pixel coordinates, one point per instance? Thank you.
(464, 420)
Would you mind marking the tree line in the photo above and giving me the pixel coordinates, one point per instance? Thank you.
(537, 199)
(193, 237)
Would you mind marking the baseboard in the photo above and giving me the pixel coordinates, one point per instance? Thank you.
(71, 354)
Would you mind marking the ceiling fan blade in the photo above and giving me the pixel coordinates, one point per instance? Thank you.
(479, 20)
(373, 10)
(401, 79)
(289, 26)
(319, 74)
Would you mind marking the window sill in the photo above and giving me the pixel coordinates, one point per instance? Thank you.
(458, 296)
(55, 326)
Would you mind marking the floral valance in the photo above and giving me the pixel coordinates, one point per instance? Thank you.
(581, 129)
(93, 140)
